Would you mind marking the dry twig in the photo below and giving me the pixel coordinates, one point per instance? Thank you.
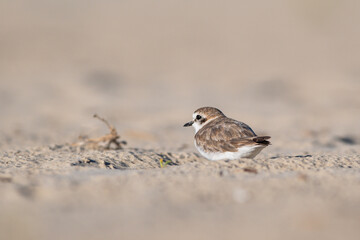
(108, 139)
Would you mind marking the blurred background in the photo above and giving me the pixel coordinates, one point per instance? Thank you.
(288, 68)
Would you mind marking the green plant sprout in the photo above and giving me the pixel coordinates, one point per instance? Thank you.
(163, 164)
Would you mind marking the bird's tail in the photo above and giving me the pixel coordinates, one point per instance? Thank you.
(262, 140)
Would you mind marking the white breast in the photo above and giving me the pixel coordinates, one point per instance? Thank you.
(242, 152)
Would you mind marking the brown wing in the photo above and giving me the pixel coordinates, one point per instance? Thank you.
(257, 140)
(225, 134)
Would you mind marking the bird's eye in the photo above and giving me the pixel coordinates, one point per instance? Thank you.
(198, 117)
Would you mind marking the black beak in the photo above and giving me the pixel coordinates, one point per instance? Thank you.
(188, 124)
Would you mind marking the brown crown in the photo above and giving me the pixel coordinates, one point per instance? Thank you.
(209, 112)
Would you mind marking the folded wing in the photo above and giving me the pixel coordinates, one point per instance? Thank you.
(228, 135)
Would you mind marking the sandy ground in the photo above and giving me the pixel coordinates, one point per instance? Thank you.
(288, 69)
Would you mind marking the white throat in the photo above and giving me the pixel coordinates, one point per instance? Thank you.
(197, 126)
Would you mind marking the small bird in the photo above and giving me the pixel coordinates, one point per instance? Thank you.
(218, 137)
